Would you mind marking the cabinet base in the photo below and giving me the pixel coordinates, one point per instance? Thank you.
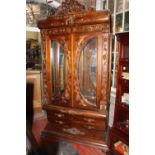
(54, 133)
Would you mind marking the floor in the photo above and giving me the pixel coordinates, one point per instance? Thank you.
(38, 126)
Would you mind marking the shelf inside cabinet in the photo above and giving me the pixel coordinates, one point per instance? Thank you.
(124, 85)
(124, 61)
(118, 138)
(124, 81)
(117, 134)
(124, 65)
(122, 129)
(124, 106)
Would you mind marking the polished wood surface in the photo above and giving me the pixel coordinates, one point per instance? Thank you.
(70, 115)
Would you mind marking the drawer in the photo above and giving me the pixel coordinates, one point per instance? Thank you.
(57, 116)
(65, 118)
(88, 122)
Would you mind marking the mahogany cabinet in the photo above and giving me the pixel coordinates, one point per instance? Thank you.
(119, 134)
(76, 73)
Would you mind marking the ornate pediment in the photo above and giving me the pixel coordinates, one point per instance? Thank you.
(72, 16)
(70, 7)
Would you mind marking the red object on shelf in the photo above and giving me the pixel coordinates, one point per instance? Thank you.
(121, 148)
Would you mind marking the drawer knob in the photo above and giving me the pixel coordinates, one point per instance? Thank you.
(59, 115)
(60, 122)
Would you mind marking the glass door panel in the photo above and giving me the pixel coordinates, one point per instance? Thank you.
(57, 68)
(87, 68)
(126, 22)
(119, 18)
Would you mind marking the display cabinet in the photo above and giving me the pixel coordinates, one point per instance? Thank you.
(76, 74)
(119, 135)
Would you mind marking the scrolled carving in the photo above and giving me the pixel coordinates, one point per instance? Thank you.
(61, 30)
(43, 34)
(104, 78)
(91, 28)
(69, 7)
(69, 76)
(45, 86)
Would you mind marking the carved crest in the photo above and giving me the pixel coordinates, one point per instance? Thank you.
(69, 7)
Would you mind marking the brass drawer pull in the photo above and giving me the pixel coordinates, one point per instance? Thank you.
(90, 127)
(60, 115)
(60, 122)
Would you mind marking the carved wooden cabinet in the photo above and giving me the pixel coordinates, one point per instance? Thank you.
(76, 73)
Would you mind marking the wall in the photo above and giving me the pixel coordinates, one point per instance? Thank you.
(32, 35)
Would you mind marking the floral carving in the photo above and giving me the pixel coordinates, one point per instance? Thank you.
(69, 7)
(54, 31)
(103, 100)
(91, 28)
(45, 86)
(74, 131)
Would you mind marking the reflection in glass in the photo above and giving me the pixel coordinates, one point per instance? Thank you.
(87, 70)
(119, 22)
(53, 66)
(57, 68)
(126, 23)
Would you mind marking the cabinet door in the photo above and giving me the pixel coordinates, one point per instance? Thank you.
(90, 79)
(59, 73)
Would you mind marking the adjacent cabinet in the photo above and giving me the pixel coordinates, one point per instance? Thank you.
(119, 135)
(76, 74)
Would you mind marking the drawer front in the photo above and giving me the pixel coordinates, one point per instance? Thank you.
(58, 118)
(79, 121)
(89, 122)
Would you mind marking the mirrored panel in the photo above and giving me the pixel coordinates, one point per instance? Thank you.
(87, 68)
(57, 68)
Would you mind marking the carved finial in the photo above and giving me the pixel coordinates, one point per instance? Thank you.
(69, 7)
